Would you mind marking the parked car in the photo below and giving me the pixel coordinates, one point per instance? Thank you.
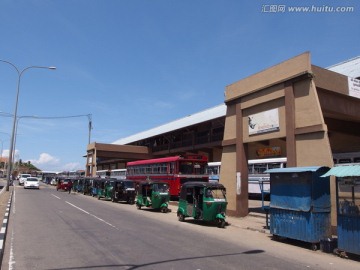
(22, 178)
(31, 182)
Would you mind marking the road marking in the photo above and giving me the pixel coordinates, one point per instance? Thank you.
(12, 257)
(73, 205)
(100, 219)
(56, 196)
(13, 202)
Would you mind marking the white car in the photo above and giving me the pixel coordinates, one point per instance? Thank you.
(23, 177)
(31, 182)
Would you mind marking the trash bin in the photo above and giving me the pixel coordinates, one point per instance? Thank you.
(348, 207)
(328, 245)
(300, 204)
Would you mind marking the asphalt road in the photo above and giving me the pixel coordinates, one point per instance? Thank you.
(56, 230)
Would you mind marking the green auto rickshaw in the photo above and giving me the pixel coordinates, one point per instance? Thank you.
(154, 195)
(96, 185)
(203, 201)
(106, 189)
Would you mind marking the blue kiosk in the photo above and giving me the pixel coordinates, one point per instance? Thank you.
(300, 204)
(348, 207)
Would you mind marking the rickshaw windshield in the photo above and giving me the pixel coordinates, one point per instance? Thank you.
(128, 184)
(215, 193)
(161, 187)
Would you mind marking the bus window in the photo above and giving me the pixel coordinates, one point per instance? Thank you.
(186, 168)
(345, 160)
(260, 168)
(172, 167)
(199, 168)
(213, 170)
(274, 165)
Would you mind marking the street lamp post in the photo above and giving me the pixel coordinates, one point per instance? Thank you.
(16, 128)
(89, 116)
(90, 127)
(20, 73)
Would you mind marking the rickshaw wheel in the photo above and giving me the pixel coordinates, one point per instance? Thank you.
(98, 197)
(138, 206)
(221, 223)
(181, 217)
(164, 209)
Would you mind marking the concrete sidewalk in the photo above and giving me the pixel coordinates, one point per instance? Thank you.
(255, 220)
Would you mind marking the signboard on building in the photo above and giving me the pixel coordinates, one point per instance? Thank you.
(354, 87)
(263, 122)
(274, 151)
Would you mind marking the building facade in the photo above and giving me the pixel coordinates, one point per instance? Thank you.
(306, 112)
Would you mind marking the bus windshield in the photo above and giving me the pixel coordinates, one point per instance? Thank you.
(188, 167)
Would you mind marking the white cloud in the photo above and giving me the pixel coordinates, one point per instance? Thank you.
(72, 166)
(45, 159)
(48, 162)
(5, 153)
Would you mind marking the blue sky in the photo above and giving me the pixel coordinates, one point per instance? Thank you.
(137, 64)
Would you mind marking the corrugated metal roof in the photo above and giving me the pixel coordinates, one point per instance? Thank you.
(193, 119)
(344, 171)
(350, 68)
(294, 169)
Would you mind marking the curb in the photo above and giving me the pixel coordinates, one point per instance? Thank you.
(4, 226)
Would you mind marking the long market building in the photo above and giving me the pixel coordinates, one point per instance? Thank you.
(294, 109)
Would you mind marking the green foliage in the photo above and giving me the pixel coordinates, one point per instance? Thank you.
(28, 167)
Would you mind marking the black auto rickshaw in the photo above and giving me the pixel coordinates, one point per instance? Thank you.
(154, 195)
(203, 201)
(87, 188)
(124, 190)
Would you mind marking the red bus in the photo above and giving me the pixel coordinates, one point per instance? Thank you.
(173, 170)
